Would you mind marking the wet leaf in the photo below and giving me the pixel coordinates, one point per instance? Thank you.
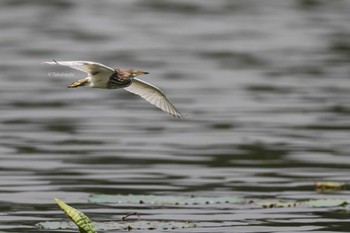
(308, 203)
(275, 204)
(329, 186)
(123, 225)
(325, 203)
(84, 224)
(163, 200)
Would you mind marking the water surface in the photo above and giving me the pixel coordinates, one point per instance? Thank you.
(264, 87)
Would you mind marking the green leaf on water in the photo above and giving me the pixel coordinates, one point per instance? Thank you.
(122, 225)
(306, 203)
(325, 202)
(163, 200)
(84, 224)
(275, 204)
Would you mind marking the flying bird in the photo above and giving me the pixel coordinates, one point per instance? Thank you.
(101, 76)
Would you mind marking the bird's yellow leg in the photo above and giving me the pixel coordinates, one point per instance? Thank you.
(81, 82)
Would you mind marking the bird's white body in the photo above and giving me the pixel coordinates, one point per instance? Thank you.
(98, 80)
(101, 76)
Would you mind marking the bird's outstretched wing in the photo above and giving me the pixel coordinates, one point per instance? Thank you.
(89, 67)
(153, 95)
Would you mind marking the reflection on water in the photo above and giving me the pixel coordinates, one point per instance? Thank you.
(263, 87)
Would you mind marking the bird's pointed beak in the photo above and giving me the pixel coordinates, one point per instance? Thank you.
(140, 73)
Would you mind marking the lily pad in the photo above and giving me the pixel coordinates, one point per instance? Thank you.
(163, 200)
(84, 224)
(329, 186)
(325, 203)
(275, 204)
(307, 203)
(122, 225)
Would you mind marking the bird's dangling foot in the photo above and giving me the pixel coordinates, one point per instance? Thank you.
(82, 82)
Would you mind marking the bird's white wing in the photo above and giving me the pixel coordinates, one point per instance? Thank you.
(85, 66)
(153, 95)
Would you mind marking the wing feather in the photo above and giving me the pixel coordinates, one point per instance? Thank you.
(89, 67)
(153, 95)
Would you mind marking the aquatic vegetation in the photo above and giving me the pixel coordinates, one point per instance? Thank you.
(329, 186)
(85, 225)
(314, 203)
(191, 200)
(163, 200)
(83, 222)
(121, 225)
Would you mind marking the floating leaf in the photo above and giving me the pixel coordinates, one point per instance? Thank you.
(55, 225)
(308, 203)
(123, 225)
(329, 186)
(84, 224)
(275, 204)
(163, 200)
(325, 203)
